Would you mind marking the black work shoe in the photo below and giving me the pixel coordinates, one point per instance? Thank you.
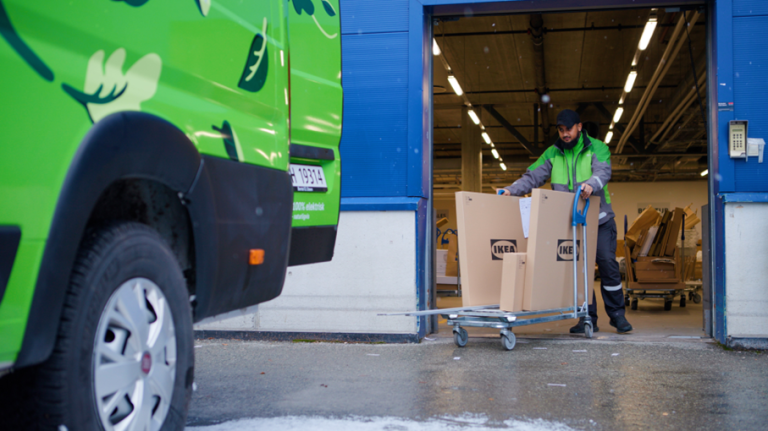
(579, 328)
(621, 324)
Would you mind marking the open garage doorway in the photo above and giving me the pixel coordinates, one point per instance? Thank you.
(500, 81)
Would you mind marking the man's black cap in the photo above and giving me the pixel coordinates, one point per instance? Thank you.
(568, 118)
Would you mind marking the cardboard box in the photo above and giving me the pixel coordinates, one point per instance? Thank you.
(697, 272)
(451, 265)
(512, 282)
(673, 233)
(549, 264)
(488, 226)
(655, 269)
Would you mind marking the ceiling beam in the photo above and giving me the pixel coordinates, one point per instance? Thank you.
(511, 129)
(537, 38)
(632, 141)
(618, 27)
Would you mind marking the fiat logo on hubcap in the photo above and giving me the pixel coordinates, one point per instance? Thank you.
(146, 363)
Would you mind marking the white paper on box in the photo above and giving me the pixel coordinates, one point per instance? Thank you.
(525, 214)
(442, 261)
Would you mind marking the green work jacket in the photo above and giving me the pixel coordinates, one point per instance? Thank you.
(589, 162)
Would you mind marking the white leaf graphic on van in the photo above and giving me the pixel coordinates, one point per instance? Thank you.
(204, 6)
(109, 90)
(231, 143)
(307, 6)
(256, 65)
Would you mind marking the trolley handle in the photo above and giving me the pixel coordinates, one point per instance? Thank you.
(579, 217)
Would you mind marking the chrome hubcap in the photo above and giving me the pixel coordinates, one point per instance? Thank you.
(134, 358)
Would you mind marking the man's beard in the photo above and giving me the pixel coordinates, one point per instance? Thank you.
(571, 144)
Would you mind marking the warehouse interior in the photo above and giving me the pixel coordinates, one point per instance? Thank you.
(499, 83)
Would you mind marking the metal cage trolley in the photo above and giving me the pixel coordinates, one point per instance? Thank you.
(490, 316)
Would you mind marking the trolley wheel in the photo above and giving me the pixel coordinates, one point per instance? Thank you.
(682, 300)
(667, 304)
(588, 329)
(626, 301)
(460, 336)
(508, 340)
(696, 298)
(634, 304)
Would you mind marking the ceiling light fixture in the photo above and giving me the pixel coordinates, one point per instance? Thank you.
(630, 81)
(455, 84)
(650, 26)
(495, 153)
(487, 138)
(503, 166)
(435, 49)
(704, 172)
(608, 137)
(617, 116)
(473, 116)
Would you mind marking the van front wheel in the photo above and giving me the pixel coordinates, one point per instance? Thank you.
(124, 356)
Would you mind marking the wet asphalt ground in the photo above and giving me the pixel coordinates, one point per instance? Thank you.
(581, 384)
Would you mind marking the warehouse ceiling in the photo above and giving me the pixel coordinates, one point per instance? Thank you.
(518, 71)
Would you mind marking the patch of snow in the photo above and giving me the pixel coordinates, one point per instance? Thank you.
(358, 423)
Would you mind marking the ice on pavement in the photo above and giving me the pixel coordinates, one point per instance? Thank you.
(356, 423)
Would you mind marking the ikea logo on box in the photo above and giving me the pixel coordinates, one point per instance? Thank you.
(565, 250)
(501, 246)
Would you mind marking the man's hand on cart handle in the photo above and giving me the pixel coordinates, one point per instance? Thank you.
(586, 191)
(502, 192)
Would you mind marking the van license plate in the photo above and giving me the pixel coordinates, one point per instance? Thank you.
(308, 178)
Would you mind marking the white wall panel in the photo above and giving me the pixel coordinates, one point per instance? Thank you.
(373, 270)
(746, 263)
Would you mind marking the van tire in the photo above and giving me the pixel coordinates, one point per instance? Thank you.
(62, 390)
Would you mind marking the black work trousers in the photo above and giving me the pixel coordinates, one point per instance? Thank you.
(610, 277)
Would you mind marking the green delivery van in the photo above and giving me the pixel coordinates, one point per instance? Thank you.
(161, 161)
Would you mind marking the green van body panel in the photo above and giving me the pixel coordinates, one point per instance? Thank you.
(221, 71)
(316, 103)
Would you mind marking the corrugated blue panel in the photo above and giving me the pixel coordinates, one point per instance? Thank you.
(745, 197)
(373, 16)
(750, 7)
(750, 70)
(380, 204)
(374, 141)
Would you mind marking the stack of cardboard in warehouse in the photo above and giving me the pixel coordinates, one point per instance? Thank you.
(652, 245)
(500, 266)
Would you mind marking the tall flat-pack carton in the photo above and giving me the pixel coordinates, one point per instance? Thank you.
(549, 264)
(512, 282)
(488, 226)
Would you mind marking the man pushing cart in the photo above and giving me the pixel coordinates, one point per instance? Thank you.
(579, 162)
(491, 316)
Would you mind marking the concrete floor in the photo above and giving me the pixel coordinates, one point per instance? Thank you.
(543, 384)
(650, 322)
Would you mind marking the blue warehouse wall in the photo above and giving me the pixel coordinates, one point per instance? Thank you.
(374, 143)
(741, 68)
(750, 86)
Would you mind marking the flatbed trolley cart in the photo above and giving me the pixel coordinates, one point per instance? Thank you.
(490, 316)
(636, 290)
